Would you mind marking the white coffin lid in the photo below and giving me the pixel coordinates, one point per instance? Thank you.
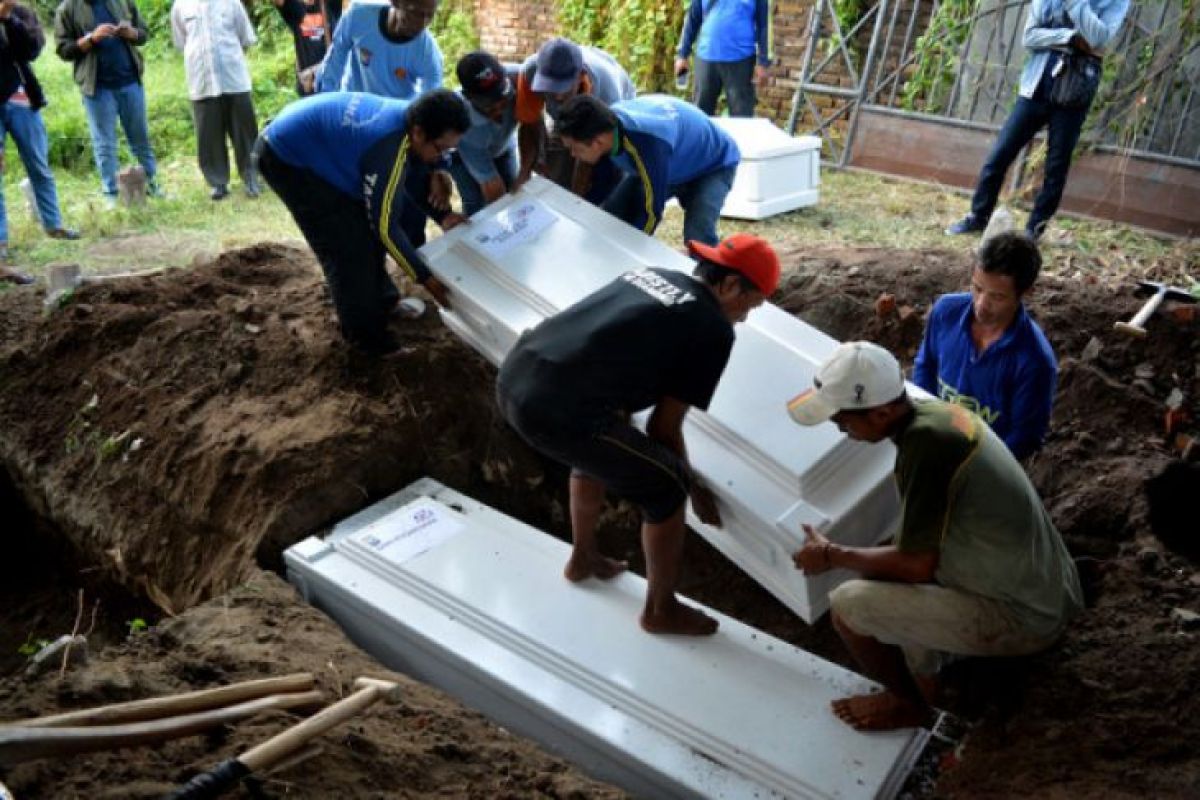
(758, 138)
(453, 592)
(768, 473)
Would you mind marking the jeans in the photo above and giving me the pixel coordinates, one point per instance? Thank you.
(737, 77)
(469, 189)
(1028, 116)
(702, 199)
(26, 127)
(128, 103)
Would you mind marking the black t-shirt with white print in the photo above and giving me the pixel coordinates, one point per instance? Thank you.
(650, 334)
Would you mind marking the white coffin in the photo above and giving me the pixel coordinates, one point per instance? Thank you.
(454, 593)
(534, 253)
(777, 173)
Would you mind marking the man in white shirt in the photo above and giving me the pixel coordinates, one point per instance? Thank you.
(213, 35)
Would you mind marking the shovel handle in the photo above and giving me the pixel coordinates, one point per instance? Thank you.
(1136, 326)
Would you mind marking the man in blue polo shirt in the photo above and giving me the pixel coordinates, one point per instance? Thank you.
(731, 52)
(650, 149)
(485, 165)
(354, 170)
(983, 351)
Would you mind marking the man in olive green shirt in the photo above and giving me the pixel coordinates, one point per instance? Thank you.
(977, 567)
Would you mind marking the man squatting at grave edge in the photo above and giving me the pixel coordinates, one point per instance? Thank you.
(977, 567)
(653, 339)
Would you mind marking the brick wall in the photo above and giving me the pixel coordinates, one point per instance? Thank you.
(514, 29)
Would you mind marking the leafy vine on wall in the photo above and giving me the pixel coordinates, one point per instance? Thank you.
(641, 34)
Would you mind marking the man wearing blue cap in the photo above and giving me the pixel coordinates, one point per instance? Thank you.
(651, 149)
(561, 70)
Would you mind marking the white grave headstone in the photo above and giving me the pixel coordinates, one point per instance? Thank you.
(777, 173)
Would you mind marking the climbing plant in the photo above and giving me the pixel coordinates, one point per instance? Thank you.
(936, 56)
(455, 32)
(641, 34)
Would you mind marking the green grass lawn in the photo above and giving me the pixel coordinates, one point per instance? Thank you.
(856, 209)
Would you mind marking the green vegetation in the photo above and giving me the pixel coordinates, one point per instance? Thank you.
(641, 34)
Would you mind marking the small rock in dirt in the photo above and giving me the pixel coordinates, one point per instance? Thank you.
(1144, 370)
(1187, 619)
(253, 329)
(1184, 315)
(1091, 350)
(1149, 559)
(242, 307)
(1175, 398)
(1194, 580)
(885, 305)
(906, 313)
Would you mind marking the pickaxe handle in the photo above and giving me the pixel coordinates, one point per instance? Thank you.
(1136, 326)
(229, 773)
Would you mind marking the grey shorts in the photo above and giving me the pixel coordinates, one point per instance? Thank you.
(932, 624)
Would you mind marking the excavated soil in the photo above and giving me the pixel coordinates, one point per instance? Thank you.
(163, 439)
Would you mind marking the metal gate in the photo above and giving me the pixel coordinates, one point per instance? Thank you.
(969, 67)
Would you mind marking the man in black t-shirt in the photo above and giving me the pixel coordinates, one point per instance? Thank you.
(311, 30)
(656, 339)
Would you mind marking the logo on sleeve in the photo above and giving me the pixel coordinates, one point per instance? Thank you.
(364, 56)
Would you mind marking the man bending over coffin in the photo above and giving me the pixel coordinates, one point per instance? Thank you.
(977, 567)
(648, 150)
(354, 169)
(652, 339)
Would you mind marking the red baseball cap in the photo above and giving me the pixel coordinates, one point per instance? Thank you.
(745, 253)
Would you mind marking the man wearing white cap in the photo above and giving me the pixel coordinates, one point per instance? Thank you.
(977, 567)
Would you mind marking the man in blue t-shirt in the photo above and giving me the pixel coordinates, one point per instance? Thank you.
(983, 351)
(731, 52)
(650, 149)
(385, 50)
(354, 169)
(101, 38)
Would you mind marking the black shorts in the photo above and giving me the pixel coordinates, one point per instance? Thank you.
(629, 463)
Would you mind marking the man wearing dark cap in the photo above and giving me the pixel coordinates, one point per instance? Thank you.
(561, 70)
(652, 339)
(485, 165)
(977, 567)
(354, 170)
(654, 147)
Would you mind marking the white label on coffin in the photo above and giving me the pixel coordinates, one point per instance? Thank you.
(406, 534)
(488, 616)
(514, 226)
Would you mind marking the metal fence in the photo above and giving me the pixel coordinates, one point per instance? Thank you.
(913, 57)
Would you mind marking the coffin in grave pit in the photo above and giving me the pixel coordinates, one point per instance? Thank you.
(453, 593)
(540, 250)
(777, 172)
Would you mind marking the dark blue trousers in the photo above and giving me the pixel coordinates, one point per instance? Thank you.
(1029, 116)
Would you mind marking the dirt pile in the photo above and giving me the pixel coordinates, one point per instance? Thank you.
(427, 745)
(179, 431)
(177, 426)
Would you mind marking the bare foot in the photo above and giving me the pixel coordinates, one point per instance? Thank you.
(881, 711)
(581, 567)
(681, 619)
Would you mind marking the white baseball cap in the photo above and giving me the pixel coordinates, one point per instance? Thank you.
(857, 376)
